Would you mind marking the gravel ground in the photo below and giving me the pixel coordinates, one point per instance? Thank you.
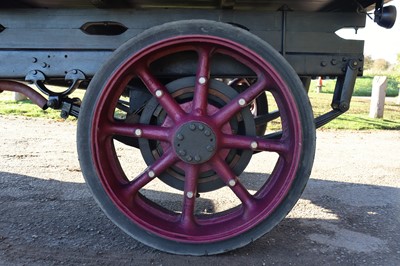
(349, 213)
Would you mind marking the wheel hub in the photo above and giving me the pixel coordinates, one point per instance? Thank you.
(195, 142)
(219, 94)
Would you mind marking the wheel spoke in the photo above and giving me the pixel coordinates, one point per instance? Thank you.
(157, 168)
(266, 118)
(161, 93)
(202, 81)
(253, 143)
(137, 131)
(189, 197)
(231, 180)
(240, 101)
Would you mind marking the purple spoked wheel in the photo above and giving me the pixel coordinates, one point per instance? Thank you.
(197, 135)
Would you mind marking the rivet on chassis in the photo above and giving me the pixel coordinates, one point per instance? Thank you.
(242, 102)
(232, 182)
(189, 194)
(159, 93)
(138, 132)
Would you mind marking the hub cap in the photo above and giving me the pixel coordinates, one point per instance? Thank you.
(195, 142)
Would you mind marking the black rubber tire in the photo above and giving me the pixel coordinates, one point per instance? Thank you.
(223, 30)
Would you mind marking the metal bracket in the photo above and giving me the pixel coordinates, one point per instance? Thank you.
(345, 87)
(342, 95)
(56, 98)
(341, 98)
(70, 107)
(60, 100)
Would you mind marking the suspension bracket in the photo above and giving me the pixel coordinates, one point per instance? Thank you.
(344, 89)
(60, 100)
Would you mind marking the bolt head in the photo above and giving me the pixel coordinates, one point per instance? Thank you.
(159, 93)
(189, 194)
(189, 158)
(182, 152)
(202, 80)
(197, 158)
(242, 102)
(210, 148)
(151, 174)
(192, 127)
(64, 114)
(254, 145)
(180, 137)
(138, 132)
(232, 182)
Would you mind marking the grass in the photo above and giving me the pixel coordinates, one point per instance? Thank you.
(355, 119)
(24, 108)
(363, 86)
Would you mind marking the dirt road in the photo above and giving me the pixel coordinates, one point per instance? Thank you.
(349, 213)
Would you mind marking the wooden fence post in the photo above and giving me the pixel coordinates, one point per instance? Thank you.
(378, 94)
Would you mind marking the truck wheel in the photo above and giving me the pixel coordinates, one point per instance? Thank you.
(196, 178)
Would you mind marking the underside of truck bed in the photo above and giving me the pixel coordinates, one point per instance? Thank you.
(314, 5)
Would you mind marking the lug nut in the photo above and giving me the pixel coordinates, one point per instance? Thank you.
(197, 158)
(201, 127)
(207, 133)
(182, 152)
(192, 127)
(210, 148)
(189, 158)
(180, 137)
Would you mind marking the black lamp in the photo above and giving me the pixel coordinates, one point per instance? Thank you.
(385, 16)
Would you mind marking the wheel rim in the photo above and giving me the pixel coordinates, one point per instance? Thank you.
(186, 225)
